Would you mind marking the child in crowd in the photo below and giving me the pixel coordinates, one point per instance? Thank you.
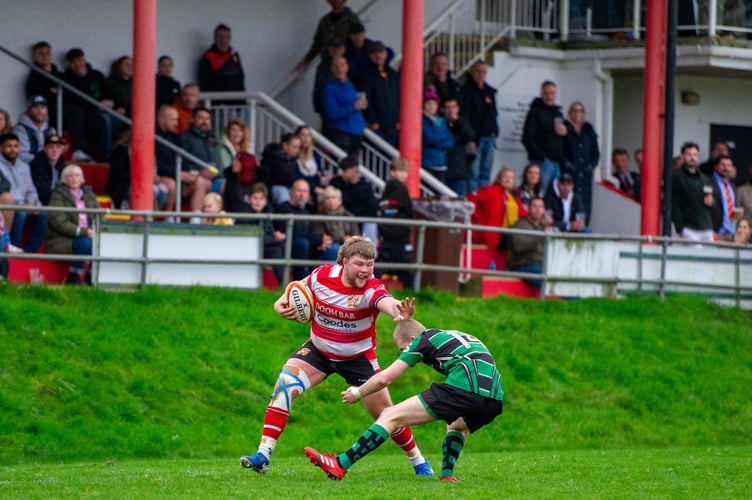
(213, 205)
(395, 241)
(258, 199)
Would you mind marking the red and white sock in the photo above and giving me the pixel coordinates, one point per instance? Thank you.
(403, 437)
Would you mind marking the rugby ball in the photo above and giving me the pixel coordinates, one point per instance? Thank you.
(300, 297)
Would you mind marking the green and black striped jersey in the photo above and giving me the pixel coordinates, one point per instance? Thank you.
(463, 358)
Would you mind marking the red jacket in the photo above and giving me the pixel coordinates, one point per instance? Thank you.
(491, 210)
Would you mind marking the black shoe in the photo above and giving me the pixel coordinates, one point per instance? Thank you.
(73, 279)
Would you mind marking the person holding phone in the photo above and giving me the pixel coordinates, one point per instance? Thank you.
(544, 134)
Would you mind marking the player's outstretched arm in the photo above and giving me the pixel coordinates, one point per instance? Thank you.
(375, 383)
(398, 310)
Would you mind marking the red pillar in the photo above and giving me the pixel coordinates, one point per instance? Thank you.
(653, 117)
(411, 90)
(143, 102)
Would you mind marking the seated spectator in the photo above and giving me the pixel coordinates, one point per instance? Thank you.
(744, 195)
(240, 178)
(121, 84)
(5, 124)
(462, 154)
(23, 193)
(357, 194)
(357, 50)
(220, 69)
(199, 141)
(526, 251)
(39, 84)
(32, 127)
(213, 205)
(185, 103)
(382, 87)
(335, 25)
(307, 240)
(119, 181)
(531, 186)
(71, 232)
(279, 164)
(47, 166)
(166, 158)
(437, 139)
(167, 88)
(234, 139)
(344, 109)
(440, 77)
(335, 48)
(496, 206)
(309, 162)
(258, 201)
(743, 234)
(629, 181)
(338, 231)
(395, 242)
(567, 211)
(5, 245)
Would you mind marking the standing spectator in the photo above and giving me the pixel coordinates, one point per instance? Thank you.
(167, 88)
(24, 193)
(39, 84)
(220, 69)
(531, 185)
(692, 198)
(436, 137)
(462, 154)
(121, 84)
(724, 199)
(358, 50)
(197, 140)
(544, 133)
(718, 148)
(629, 181)
(338, 231)
(382, 87)
(5, 124)
(478, 105)
(258, 201)
(441, 78)
(568, 212)
(309, 162)
(395, 244)
(166, 158)
(279, 165)
(582, 154)
(335, 25)
(186, 102)
(32, 127)
(744, 195)
(526, 251)
(496, 206)
(47, 166)
(71, 232)
(344, 109)
(357, 194)
(334, 49)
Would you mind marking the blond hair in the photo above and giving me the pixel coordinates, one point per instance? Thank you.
(356, 245)
(213, 198)
(407, 328)
(400, 164)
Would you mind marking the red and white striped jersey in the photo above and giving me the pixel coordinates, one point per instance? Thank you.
(344, 319)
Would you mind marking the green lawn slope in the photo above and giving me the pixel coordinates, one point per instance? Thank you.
(186, 373)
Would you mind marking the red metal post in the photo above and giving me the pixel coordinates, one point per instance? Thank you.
(142, 142)
(653, 117)
(411, 90)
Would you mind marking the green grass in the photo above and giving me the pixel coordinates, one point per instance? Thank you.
(167, 381)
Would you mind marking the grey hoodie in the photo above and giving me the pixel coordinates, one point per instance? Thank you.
(22, 129)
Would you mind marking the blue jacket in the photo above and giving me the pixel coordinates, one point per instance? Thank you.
(339, 100)
(437, 139)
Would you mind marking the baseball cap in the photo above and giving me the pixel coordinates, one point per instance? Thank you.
(36, 99)
(53, 139)
(74, 54)
(357, 28)
(566, 176)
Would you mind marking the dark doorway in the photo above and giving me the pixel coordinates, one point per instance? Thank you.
(739, 140)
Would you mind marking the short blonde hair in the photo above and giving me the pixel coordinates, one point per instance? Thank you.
(213, 198)
(72, 168)
(332, 191)
(504, 169)
(400, 164)
(407, 328)
(356, 245)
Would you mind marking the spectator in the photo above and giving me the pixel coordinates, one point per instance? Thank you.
(234, 139)
(119, 180)
(544, 134)
(724, 199)
(239, 179)
(71, 232)
(344, 109)
(6, 199)
(357, 194)
(306, 239)
(39, 84)
(638, 185)
(197, 140)
(358, 50)
(121, 84)
(220, 69)
(167, 88)
(309, 162)
(744, 195)
(335, 25)
(5, 124)
(441, 78)
(166, 158)
(338, 231)
(436, 137)
(629, 181)
(186, 102)
(23, 193)
(581, 154)
(526, 251)
(395, 243)
(743, 233)
(279, 164)
(382, 87)
(213, 205)
(567, 210)
(32, 127)
(496, 206)
(258, 201)
(531, 185)
(478, 105)
(334, 49)
(463, 152)
(47, 166)
(692, 198)
(718, 148)
(90, 131)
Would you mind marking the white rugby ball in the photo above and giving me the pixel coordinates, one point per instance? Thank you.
(300, 297)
